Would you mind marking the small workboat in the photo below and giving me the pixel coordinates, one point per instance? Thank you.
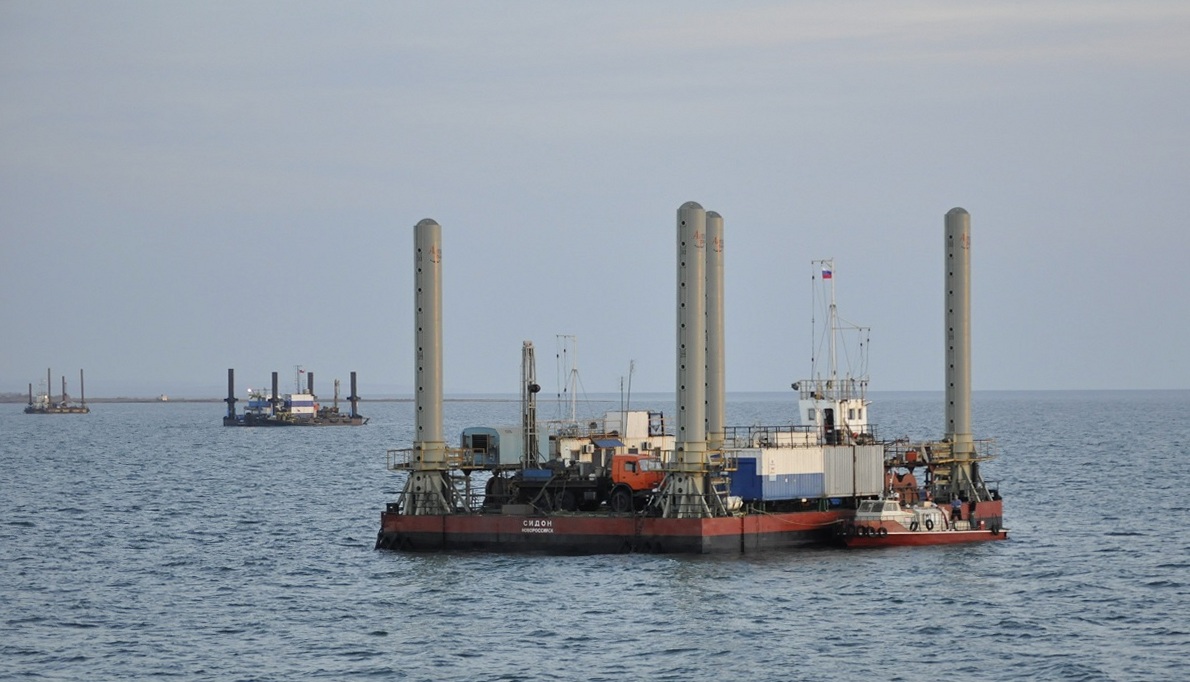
(887, 522)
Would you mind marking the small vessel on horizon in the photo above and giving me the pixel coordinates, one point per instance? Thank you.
(300, 408)
(44, 403)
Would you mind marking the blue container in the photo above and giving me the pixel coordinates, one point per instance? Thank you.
(745, 484)
(750, 487)
(793, 486)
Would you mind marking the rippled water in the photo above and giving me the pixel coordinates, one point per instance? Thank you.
(146, 540)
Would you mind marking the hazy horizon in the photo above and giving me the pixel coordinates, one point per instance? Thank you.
(398, 392)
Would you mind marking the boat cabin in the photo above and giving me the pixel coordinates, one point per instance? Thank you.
(926, 516)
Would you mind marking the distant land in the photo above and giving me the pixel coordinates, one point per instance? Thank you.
(24, 399)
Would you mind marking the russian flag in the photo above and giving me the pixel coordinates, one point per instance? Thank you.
(826, 273)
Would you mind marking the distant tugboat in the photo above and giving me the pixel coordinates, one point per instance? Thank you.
(293, 409)
(44, 404)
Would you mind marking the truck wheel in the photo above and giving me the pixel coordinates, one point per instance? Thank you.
(566, 500)
(495, 492)
(620, 500)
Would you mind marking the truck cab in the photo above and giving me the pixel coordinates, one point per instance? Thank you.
(641, 473)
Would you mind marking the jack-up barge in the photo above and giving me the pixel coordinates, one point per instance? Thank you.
(292, 409)
(44, 403)
(722, 490)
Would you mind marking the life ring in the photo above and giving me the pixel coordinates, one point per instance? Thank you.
(929, 524)
(913, 526)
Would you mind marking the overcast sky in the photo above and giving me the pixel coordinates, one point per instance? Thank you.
(188, 187)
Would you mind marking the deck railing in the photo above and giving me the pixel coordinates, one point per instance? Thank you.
(796, 434)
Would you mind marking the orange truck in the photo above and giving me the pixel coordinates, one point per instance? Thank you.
(624, 485)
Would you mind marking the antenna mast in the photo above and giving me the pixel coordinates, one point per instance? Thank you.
(529, 389)
(570, 368)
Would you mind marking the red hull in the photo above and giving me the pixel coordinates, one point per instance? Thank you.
(592, 534)
(922, 538)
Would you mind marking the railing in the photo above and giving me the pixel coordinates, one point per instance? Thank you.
(716, 461)
(798, 434)
(464, 498)
(903, 452)
(839, 389)
(402, 459)
(723, 460)
(465, 495)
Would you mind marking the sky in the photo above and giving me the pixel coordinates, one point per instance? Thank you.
(191, 187)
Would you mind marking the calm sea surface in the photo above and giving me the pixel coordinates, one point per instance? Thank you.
(148, 541)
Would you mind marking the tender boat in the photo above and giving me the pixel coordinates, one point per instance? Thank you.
(889, 523)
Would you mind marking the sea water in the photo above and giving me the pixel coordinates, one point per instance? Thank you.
(148, 541)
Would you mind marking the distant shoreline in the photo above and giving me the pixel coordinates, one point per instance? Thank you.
(25, 400)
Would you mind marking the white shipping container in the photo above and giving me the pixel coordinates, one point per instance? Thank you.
(854, 470)
(636, 429)
(784, 461)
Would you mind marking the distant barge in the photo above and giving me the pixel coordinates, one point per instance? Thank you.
(292, 409)
(44, 403)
